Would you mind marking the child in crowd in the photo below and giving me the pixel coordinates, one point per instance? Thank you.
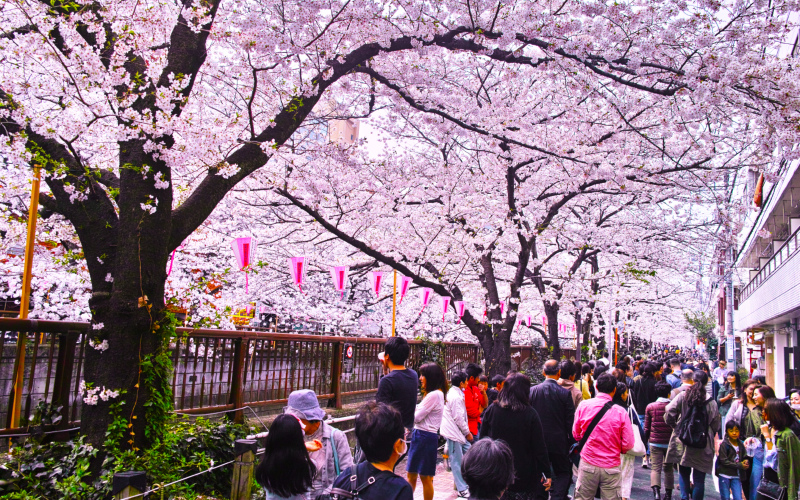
(495, 387)
(379, 430)
(425, 437)
(286, 471)
(455, 429)
(732, 463)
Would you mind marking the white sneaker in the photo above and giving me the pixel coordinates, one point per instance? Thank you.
(463, 494)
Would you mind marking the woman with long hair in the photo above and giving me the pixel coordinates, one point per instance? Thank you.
(286, 471)
(694, 463)
(782, 456)
(425, 436)
(512, 419)
(729, 392)
(752, 436)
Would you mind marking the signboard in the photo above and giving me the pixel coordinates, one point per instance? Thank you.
(730, 350)
(348, 360)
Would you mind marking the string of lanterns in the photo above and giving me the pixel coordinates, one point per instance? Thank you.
(244, 250)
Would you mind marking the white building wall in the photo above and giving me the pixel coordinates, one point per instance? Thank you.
(778, 295)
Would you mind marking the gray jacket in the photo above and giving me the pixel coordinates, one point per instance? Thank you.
(323, 481)
(701, 459)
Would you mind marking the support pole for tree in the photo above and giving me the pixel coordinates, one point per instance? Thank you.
(243, 468)
(24, 303)
(394, 302)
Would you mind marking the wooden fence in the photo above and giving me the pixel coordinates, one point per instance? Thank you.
(214, 370)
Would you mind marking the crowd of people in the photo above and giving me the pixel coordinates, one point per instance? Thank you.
(586, 424)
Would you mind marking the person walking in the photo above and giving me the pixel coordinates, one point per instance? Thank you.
(286, 471)
(398, 387)
(333, 455)
(674, 378)
(474, 399)
(513, 419)
(753, 437)
(599, 466)
(556, 409)
(644, 392)
(732, 463)
(687, 380)
(782, 456)
(425, 436)
(622, 399)
(380, 430)
(657, 434)
(489, 469)
(695, 462)
(567, 381)
(587, 382)
(455, 429)
(728, 393)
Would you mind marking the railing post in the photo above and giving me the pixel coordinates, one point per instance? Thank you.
(235, 395)
(336, 374)
(243, 468)
(129, 483)
(62, 381)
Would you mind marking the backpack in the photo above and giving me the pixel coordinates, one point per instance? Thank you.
(352, 493)
(693, 427)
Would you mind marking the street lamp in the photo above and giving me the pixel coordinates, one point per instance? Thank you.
(579, 304)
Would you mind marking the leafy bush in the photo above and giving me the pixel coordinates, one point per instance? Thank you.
(189, 445)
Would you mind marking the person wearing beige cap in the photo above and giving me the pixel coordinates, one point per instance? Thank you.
(334, 456)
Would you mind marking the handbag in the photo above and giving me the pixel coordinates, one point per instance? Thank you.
(575, 449)
(773, 491)
(638, 449)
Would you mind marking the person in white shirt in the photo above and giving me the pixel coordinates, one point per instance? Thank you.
(425, 436)
(455, 429)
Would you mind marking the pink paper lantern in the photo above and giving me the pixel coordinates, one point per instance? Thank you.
(425, 297)
(339, 275)
(528, 318)
(445, 302)
(502, 307)
(244, 249)
(297, 267)
(405, 283)
(460, 308)
(375, 281)
(248, 309)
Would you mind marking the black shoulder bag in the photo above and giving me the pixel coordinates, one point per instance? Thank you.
(353, 492)
(575, 450)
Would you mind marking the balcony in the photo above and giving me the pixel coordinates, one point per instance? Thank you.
(789, 247)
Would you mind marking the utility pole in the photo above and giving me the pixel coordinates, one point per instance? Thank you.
(730, 265)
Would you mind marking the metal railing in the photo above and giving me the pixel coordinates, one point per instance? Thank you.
(214, 370)
(789, 248)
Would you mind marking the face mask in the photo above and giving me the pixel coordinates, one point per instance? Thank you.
(796, 406)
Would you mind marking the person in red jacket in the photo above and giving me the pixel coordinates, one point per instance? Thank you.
(474, 399)
(657, 433)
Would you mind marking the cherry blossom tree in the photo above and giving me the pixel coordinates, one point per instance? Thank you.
(145, 115)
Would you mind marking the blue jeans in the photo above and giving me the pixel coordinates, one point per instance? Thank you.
(757, 472)
(456, 452)
(698, 477)
(728, 487)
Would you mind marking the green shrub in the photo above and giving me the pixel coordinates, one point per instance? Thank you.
(59, 470)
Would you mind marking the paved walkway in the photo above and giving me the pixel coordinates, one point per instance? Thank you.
(443, 484)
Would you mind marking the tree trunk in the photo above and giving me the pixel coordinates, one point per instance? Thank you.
(551, 311)
(496, 349)
(128, 280)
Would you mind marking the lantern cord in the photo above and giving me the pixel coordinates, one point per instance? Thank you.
(171, 260)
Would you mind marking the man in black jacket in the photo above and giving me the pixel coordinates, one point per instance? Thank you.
(556, 410)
